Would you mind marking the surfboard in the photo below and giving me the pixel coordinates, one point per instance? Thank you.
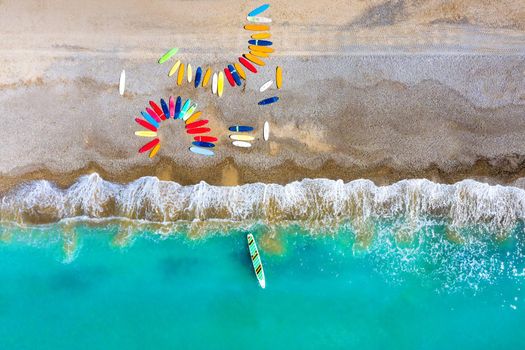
(256, 260)
(168, 55)
(165, 108)
(266, 131)
(177, 107)
(257, 27)
(150, 119)
(172, 107)
(122, 83)
(193, 117)
(214, 84)
(189, 112)
(229, 77)
(157, 110)
(261, 36)
(153, 114)
(180, 76)
(235, 75)
(257, 19)
(242, 144)
(185, 108)
(220, 84)
(279, 77)
(154, 150)
(260, 54)
(239, 70)
(254, 59)
(145, 124)
(206, 78)
(242, 137)
(258, 10)
(205, 138)
(145, 133)
(196, 124)
(198, 76)
(203, 144)
(149, 146)
(201, 151)
(247, 64)
(240, 128)
(266, 86)
(190, 73)
(260, 42)
(198, 131)
(174, 68)
(268, 101)
(261, 48)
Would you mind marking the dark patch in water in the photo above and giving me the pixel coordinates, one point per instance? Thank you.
(171, 267)
(75, 280)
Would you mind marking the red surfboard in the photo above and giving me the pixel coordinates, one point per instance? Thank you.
(172, 106)
(247, 64)
(198, 130)
(197, 124)
(153, 114)
(229, 76)
(205, 138)
(157, 110)
(145, 124)
(149, 146)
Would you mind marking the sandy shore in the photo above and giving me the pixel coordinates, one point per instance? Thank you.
(383, 90)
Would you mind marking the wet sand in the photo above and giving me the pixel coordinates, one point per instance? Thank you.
(383, 90)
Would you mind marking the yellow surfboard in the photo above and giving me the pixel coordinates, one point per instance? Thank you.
(242, 137)
(154, 151)
(190, 73)
(279, 77)
(257, 27)
(261, 36)
(193, 117)
(261, 48)
(206, 78)
(254, 59)
(220, 87)
(174, 68)
(144, 133)
(260, 54)
(181, 74)
(239, 70)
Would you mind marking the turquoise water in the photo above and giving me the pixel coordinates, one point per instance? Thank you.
(338, 290)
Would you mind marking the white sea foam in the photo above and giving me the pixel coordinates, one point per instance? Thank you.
(464, 203)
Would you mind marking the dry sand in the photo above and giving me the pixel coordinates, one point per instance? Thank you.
(383, 90)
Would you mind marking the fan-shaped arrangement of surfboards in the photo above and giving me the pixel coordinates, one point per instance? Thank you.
(258, 46)
(175, 109)
(256, 260)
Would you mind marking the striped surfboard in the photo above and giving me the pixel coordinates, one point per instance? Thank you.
(256, 260)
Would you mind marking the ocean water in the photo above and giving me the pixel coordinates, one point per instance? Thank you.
(415, 265)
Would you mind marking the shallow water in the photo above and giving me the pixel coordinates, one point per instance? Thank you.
(88, 286)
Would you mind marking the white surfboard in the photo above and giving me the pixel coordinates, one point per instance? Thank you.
(122, 83)
(214, 84)
(257, 19)
(238, 137)
(266, 131)
(190, 73)
(266, 86)
(242, 144)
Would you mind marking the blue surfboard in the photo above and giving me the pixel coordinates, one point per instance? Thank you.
(241, 128)
(268, 101)
(150, 119)
(203, 144)
(259, 10)
(260, 42)
(235, 75)
(198, 76)
(165, 108)
(177, 108)
(202, 151)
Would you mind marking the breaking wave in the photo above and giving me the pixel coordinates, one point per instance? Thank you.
(311, 200)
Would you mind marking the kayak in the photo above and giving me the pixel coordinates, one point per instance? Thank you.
(256, 260)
